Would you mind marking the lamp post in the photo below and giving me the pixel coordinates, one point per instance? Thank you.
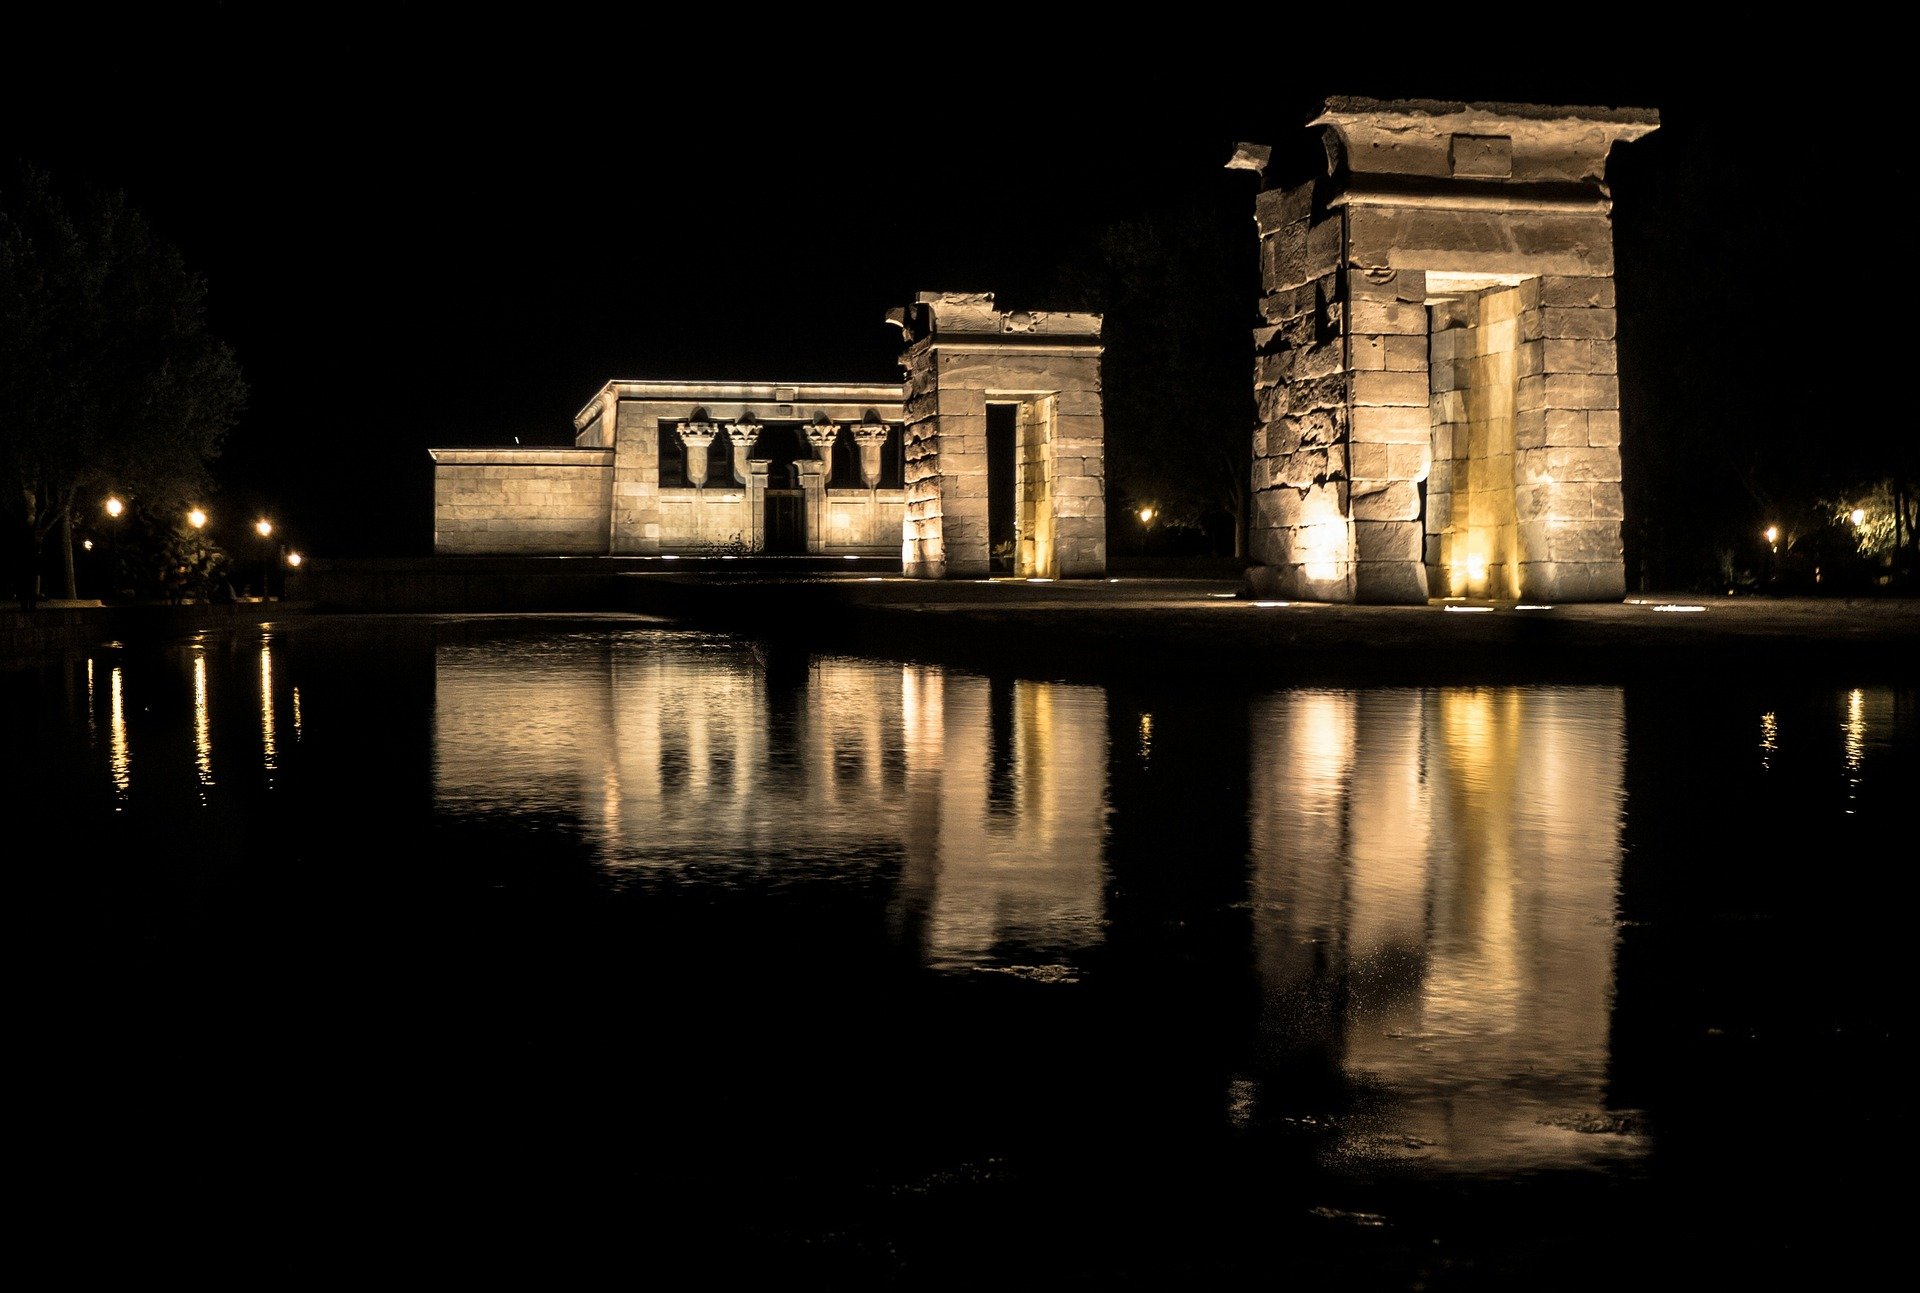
(113, 507)
(1773, 554)
(264, 528)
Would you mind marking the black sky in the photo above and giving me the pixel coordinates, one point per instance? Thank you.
(423, 228)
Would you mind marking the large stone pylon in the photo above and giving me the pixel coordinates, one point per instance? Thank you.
(1437, 377)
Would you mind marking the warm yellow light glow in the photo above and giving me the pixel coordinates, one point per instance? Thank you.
(119, 760)
(1322, 547)
(197, 519)
(1773, 534)
(269, 751)
(1859, 514)
(1476, 568)
(202, 723)
(1146, 516)
(115, 506)
(294, 558)
(87, 544)
(263, 527)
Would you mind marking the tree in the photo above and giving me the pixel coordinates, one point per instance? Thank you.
(109, 379)
(1176, 289)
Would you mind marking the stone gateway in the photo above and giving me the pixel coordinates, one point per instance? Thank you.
(1436, 376)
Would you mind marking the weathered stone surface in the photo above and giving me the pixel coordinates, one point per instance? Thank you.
(1603, 428)
(1566, 355)
(1566, 428)
(1578, 324)
(1583, 464)
(1275, 208)
(1480, 242)
(1582, 391)
(1389, 541)
(1389, 424)
(1393, 500)
(1407, 354)
(1390, 388)
(1391, 318)
(1576, 292)
(1391, 583)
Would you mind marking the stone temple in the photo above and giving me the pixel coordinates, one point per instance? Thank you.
(1436, 378)
(988, 457)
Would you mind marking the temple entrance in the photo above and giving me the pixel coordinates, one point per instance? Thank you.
(786, 522)
(1002, 515)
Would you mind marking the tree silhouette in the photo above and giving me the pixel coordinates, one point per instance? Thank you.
(1177, 288)
(109, 379)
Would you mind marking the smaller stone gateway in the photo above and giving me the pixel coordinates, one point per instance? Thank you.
(988, 459)
(1437, 377)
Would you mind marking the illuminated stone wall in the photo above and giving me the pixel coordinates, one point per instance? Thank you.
(1435, 217)
(606, 494)
(548, 502)
(963, 354)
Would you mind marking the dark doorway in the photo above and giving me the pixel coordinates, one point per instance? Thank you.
(1003, 434)
(786, 522)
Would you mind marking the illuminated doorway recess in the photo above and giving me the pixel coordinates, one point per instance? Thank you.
(1026, 384)
(1437, 378)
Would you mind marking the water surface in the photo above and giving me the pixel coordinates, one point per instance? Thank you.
(482, 941)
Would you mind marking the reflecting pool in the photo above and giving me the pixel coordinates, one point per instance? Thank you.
(550, 944)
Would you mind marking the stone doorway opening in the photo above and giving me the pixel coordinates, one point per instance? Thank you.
(1002, 514)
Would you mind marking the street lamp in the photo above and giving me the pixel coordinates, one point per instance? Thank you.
(1858, 515)
(264, 528)
(114, 507)
(197, 519)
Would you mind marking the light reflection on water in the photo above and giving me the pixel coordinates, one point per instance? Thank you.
(988, 798)
(1431, 880)
(1434, 880)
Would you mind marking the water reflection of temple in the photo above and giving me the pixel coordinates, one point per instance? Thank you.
(1434, 881)
(987, 797)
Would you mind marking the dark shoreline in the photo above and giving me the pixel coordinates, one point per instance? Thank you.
(1178, 631)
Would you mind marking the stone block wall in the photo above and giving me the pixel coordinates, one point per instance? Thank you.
(1435, 370)
(521, 501)
(963, 354)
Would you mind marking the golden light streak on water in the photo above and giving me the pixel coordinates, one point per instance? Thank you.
(269, 751)
(1769, 739)
(119, 760)
(202, 721)
(1854, 734)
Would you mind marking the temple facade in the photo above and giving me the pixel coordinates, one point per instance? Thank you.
(1437, 378)
(987, 459)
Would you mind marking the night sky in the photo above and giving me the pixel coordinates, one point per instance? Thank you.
(422, 231)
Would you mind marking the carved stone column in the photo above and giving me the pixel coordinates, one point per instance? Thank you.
(871, 437)
(697, 437)
(822, 435)
(743, 433)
